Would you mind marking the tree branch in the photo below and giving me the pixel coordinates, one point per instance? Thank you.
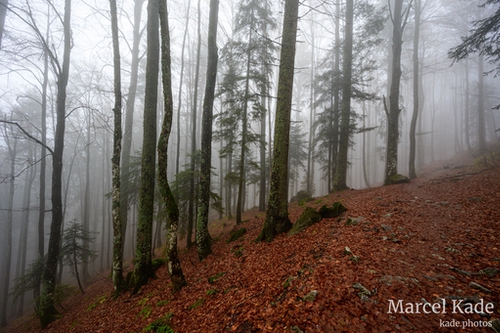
(27, 134)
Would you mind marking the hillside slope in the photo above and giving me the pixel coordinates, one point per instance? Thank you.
(421, 242)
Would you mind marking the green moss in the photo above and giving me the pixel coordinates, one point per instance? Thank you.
(214, 278)
(197, 304)
(161, 325)
(236, 234)
(157, 263)
(308, 217)
(336, 209)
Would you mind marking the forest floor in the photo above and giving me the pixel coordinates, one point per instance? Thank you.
(433, 240)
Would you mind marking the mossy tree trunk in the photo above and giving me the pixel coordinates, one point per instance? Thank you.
(143, 269)
(173, 263)
(277, 210)
(117, 273)
(46, 308)
(202, 236)
(339, 179)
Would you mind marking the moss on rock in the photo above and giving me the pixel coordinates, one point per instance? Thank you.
(308, 217)
(336, 209)
(236, 234)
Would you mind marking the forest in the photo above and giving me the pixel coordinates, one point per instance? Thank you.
(135, 135)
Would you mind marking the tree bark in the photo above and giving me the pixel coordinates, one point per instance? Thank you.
(277, 220)
(416, 95)
(143, 269)
(117, 273)
(203, 241)
(339, 180)
(173, 263)
(47, 310)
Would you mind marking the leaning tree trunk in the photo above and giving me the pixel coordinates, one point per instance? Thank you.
(277, 220)
(46, 309)
(143, 269)
(202, 235)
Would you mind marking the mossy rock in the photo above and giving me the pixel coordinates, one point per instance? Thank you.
(157, 263)
(236, 234)
(302, 196)
(398, 179)
(308, 217)
(333, 211)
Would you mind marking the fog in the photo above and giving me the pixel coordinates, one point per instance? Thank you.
(451, 96)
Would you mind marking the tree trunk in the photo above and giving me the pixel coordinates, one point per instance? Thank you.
(277, 210)
(203, 241)
(3, 12)
(179, 101)
(339, 180)
(416, 97)
(173, 263)
(143, 269)
(7, 258)
(47, 310)
(244, 129)
(117, 273)
(129, 120)
(394, 110)
(481, 129)
(193, 134)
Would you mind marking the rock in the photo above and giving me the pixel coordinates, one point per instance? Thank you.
(475, 199)
(495, 325)
(308, 218)
(477, 286)
(311, 296)
(302, 196)
(333, 211)
(490, 271)
(386, 227)
(398, 179)
(236, 234)
(354, 221)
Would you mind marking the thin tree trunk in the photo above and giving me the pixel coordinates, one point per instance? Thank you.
(481, 129)
(117, 274)
(416, 97)
(179, 101)
(3, 12)
(129, 120)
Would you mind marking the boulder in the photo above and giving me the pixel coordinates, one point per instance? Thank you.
(333, 211)
(308, 217)
(398, 179)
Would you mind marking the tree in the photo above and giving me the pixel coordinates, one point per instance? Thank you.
(3, 12)
(339, 180)
(416, 92)
(277, 220)
(173, 263)
(7, 257)
(117, 274)
(143, 269)
(46, 308)
(483, 38)
(202, 236)
(399, 19)
(74, 251)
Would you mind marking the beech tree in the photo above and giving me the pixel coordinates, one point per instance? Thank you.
(202, 236)
(115, 161)
(173, 263)
(277, 220)
(143, 269)
(399, 20)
